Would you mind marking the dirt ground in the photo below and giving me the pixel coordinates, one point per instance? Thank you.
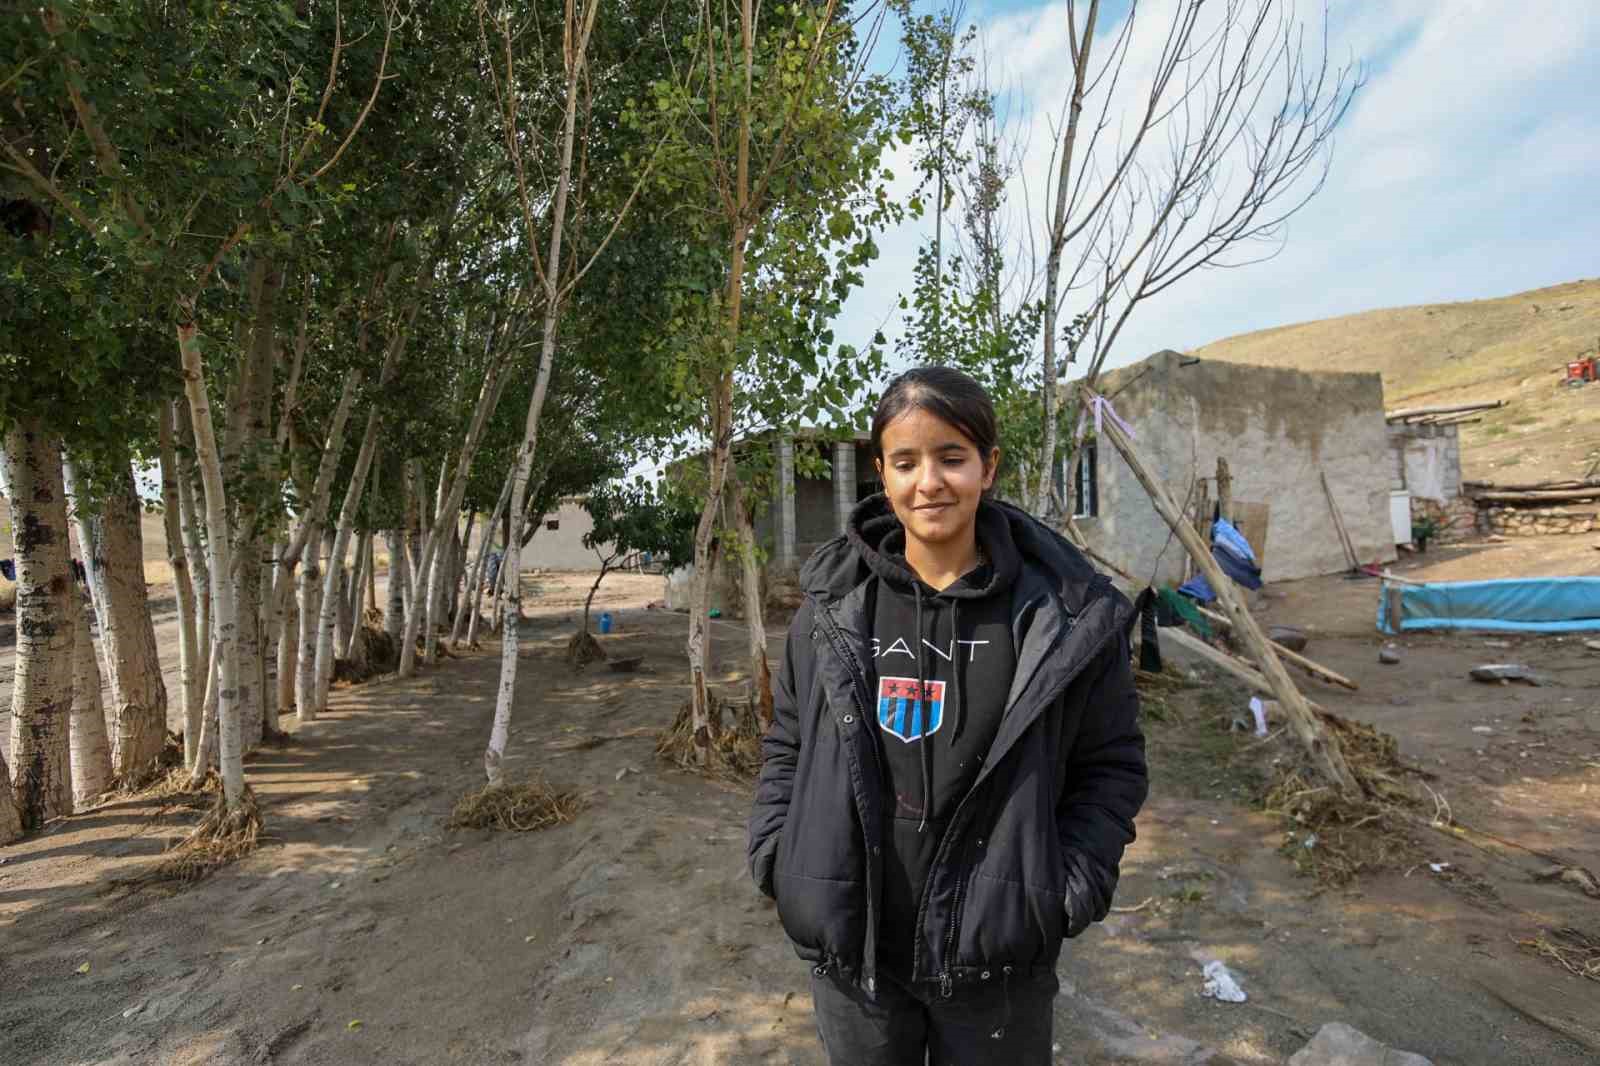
(366, 932)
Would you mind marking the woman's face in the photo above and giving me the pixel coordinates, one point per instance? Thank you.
(934, 477)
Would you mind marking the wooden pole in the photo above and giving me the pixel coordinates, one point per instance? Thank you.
(1448, 409)
(1315, 669)
(1324, 749)
(1338, 524)
(1224, 489)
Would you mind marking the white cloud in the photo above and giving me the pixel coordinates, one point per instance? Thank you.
(1466, 168)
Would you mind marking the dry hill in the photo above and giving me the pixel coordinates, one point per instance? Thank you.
(1513, 348)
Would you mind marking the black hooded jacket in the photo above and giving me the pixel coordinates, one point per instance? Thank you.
(1030, 852)
(954, 645)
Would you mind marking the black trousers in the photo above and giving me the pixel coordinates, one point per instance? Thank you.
(1005, 1021)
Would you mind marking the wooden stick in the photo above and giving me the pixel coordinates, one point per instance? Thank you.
(1338, 524)
(1554, 496)
(1324, 748)
(1224, 489)
(1315, 669)
(1448, 409)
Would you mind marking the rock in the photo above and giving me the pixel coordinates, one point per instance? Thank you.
(1291, 637)
(1337, 1044)
(1389, 655)
(1592, 645)
(1492, 673)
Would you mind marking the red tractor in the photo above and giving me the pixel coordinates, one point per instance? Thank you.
(1583, 371)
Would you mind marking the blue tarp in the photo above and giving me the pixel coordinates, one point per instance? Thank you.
(1514, 605)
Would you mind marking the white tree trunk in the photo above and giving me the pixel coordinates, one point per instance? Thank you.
(191, 667)
(224, 615)
(288, 653)
(207, 747)
(703, 722)
(10, 817)
(352, 616)
(91, 748)
(268, 616)
(311, 582)
(41, 694)
(344, 618)
(192, 522)
(444, 584)
(138, 692)
(94, 577)
(475, 600)
(431, 575)
(755, 627)
(251, 676)
(394, 613)
(331, 594)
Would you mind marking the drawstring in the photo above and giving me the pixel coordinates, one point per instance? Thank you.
(921, 722)
(961, 692)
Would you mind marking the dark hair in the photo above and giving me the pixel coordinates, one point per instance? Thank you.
(948, 395)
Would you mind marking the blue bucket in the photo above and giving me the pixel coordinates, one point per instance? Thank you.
(605, 622)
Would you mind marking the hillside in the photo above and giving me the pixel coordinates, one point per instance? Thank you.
(1513, 348)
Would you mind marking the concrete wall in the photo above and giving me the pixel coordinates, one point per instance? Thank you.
(1442, 441)
(1279, 430)
(561, 548)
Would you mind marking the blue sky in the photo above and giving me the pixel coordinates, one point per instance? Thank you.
(1468, 167)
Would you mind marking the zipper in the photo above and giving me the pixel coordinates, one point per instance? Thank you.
(858, 693)
(945, 983)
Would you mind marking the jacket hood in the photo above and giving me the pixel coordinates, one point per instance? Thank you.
(866, 548)
(880, 540)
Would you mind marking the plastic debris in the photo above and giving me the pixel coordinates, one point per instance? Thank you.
(1221, 984)
(1260, 714)
(1438, 867)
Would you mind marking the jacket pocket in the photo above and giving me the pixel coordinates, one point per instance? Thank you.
(1010, 922)
(763, 863)
(822, 915)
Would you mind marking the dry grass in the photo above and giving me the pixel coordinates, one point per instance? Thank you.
(223, 836)
(1574, 951)
(1335, 839)
(521, 808)
(583, 649)
(731, 750)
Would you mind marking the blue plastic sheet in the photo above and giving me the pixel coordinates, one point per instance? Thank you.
(1513, 605)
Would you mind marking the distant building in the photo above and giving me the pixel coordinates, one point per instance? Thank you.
(805, 512)
(1281, 432)
(558, 544)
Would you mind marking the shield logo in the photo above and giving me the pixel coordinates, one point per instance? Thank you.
(898, 713)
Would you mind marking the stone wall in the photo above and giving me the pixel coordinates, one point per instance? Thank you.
(1542, 521)
(1457, 520)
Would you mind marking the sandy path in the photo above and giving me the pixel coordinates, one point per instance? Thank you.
(632, 935)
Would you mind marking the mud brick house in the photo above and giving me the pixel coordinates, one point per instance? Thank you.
(1280, 431)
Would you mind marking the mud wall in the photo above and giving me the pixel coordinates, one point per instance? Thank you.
(1280, 430)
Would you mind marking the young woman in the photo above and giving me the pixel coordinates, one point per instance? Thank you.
(955, 760)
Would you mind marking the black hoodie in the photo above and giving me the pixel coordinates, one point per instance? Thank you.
(955, 646)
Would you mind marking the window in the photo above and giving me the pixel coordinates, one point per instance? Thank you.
(1086, 485)
(554, 523)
